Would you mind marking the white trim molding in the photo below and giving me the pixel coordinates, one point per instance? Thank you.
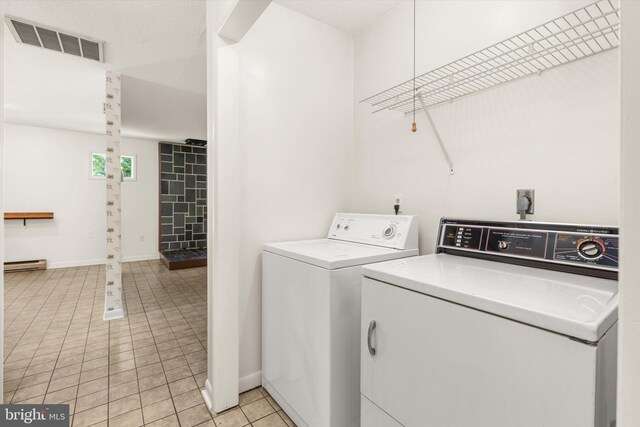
(241, 19)
(76, 263)
(2, 203)
(100, 261)
(113, 314)
(207, 394)
(223, 184)
(148, 257)
(629, 311)
(250, 381)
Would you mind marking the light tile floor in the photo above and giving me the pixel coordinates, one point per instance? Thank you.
(146, 369)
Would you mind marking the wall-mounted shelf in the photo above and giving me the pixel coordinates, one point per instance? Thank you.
(24, 216)
(585, 32)
(582, 33)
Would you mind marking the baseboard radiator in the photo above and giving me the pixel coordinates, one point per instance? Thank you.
(36, 264)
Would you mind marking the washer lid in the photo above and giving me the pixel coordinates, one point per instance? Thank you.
(332, 254)
(570, 304)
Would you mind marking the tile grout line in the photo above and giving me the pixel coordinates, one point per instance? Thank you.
(18, 296)
(177, 306)
(133, 349)
(167, 303)
(34, 318)
(65, 337)
(181, 314)
(275, 411)
(48, 326)
(158, 351)
(95, 290)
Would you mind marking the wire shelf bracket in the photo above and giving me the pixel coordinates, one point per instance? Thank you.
(585, 32)
(437, 134)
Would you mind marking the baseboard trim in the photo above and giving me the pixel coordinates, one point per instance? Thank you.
(113, 314)
(141, 258)
(250, 381)
(99, 261)
(207, 394)
(82, 263)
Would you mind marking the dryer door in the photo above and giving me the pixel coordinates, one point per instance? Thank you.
(429, 362)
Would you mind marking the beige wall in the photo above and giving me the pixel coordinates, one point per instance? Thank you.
(629, 333)
(557, 133)
(1, 199)
(284, 146)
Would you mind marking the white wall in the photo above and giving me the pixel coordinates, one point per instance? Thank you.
(290, 130)
(557, 133)
(48, 170)
(629, 333)
(2, 202)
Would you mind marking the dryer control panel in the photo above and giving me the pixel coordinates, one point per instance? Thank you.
(565, 246)
(391, 231)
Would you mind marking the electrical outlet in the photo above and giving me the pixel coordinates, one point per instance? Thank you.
(525, 201)
(397, 201)
(142, 238)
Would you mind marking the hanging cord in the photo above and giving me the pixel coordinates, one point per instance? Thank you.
(414, 127)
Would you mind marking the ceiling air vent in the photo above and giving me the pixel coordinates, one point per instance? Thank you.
(49, 38)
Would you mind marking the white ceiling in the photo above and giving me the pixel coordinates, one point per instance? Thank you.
(162, 41)
(159, 46)
(350, 16)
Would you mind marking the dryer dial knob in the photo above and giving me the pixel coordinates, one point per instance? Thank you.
(591, 249)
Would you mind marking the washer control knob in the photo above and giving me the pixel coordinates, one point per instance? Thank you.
(389, 232)
(346, 227)
(503, 245)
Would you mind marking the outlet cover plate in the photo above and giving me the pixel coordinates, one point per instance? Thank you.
(531, 194)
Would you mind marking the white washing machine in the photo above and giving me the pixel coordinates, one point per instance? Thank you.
(508, 325)
(311, 294)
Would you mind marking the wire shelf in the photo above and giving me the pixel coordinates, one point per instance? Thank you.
(582, 33)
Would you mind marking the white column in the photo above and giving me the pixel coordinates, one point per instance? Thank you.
(223, 317)
(113, 307)
(1, 201)
(629, 332)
